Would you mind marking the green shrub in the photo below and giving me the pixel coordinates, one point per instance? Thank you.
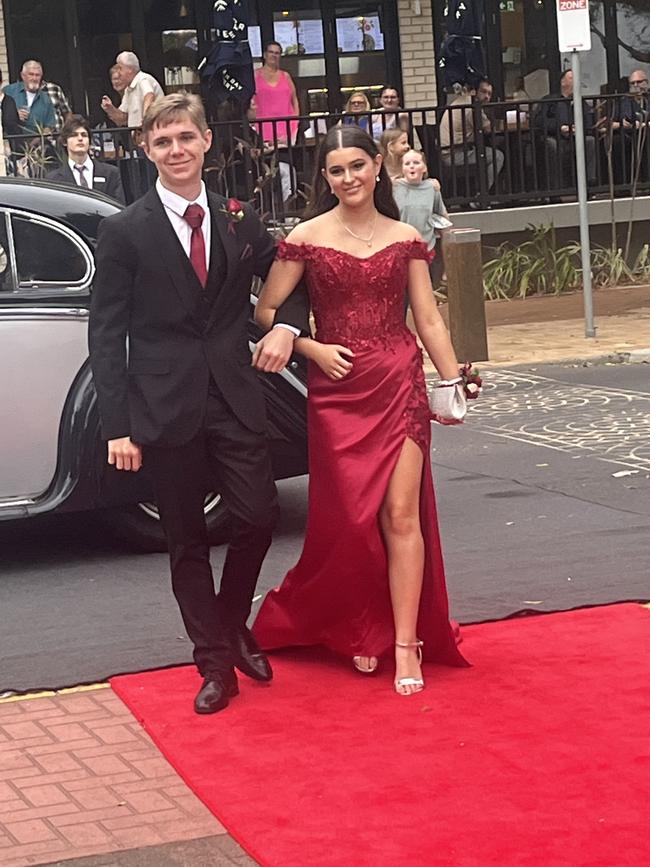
(539, 267)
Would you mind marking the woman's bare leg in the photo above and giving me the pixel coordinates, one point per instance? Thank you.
(400, 523)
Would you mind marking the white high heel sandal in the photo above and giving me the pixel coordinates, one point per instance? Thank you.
(416, 682)
(371, 668)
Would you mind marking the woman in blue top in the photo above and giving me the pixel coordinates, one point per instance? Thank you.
(357, 111)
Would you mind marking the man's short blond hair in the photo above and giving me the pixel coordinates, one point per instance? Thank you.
(174, 107)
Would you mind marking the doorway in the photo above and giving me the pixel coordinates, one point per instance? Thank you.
(332, 47)
(521, 48)
(45, 30)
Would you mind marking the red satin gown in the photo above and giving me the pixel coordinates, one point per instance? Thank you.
(338, 594)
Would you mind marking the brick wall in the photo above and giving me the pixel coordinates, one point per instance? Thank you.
(418, 58)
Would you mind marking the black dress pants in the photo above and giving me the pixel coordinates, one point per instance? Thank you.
(228, 458)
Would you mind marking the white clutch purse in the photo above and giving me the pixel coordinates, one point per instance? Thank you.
(448, 403)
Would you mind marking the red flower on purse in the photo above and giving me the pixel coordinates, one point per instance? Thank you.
(234, 210)
(472, 382)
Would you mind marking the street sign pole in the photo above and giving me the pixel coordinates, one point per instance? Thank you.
(574, 36)
(581, 175)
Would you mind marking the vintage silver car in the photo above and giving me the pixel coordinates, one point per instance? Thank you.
(51, 454)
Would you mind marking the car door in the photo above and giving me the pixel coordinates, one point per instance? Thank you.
(45, 272)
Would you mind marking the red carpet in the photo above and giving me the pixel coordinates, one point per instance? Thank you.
(538, 755)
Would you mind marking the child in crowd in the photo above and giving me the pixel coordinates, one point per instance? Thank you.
(420, 204)
(393, 144)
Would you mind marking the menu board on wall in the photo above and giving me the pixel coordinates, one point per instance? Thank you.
(300, 36)
(359, 34)
(255, 40)
(311, 36)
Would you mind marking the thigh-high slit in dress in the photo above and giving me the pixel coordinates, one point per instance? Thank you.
(338, 593)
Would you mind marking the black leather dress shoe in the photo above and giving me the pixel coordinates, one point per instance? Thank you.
(248, 657)
(216, 691)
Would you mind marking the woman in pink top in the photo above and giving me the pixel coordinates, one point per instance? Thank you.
(276, 96)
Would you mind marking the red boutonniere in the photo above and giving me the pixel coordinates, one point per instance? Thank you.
(472, 382)
(234, 210)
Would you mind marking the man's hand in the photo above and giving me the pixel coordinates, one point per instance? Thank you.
(107, 103)
(274, 350)
(23, 114)
(124, 455)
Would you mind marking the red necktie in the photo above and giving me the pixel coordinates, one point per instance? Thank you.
(194, 216)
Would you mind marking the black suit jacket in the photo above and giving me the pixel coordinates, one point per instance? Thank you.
(106, 179)
(142, 291)
(631, 109)
(551, 116)
(10, 120)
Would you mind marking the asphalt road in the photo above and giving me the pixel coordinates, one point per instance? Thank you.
(544, 500)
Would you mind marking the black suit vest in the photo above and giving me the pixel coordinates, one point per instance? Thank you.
(206, 296)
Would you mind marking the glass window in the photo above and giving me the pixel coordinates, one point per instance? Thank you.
(47, 256)
(524, 49)
(180, 58)
(105, 30)
(172, 43)
(300, 33)
(38, 30)
(360, 49)
(633, 23)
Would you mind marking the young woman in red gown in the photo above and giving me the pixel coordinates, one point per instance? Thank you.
(370, 578)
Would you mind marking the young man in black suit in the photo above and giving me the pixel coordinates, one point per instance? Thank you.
(79, 168)
(174, 272)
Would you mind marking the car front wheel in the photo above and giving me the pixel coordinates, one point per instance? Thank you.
(139, 526)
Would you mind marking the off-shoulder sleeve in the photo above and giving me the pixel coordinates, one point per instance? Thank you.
(418, 250)
(293, 252)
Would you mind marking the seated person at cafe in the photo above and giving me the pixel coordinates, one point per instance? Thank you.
(555, 123)
(460, 141)
(628, 114)
(631, 111)
(78, 168)
(389, 115)
(357, 111)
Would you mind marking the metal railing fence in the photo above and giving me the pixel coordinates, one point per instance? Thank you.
(498, 155)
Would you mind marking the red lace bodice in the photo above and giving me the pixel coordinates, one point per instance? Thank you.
(357, 302)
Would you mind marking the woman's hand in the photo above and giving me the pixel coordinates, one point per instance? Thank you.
(333, 359)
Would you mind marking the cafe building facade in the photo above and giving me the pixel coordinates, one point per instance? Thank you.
(330, 46)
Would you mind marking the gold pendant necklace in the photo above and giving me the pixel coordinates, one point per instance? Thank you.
(367, 241)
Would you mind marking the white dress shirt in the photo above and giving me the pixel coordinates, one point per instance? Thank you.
(89, 174)
(175, 207)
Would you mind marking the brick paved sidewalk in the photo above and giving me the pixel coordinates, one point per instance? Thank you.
(79, 777)
(550, 329)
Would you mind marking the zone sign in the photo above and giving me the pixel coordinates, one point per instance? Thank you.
(573, 26)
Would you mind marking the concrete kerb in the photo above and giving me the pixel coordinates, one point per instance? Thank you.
(635, 356)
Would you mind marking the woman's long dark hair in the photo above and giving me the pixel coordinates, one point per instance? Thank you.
(322, 199)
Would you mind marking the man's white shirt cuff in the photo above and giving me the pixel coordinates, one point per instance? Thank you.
(295, 331)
